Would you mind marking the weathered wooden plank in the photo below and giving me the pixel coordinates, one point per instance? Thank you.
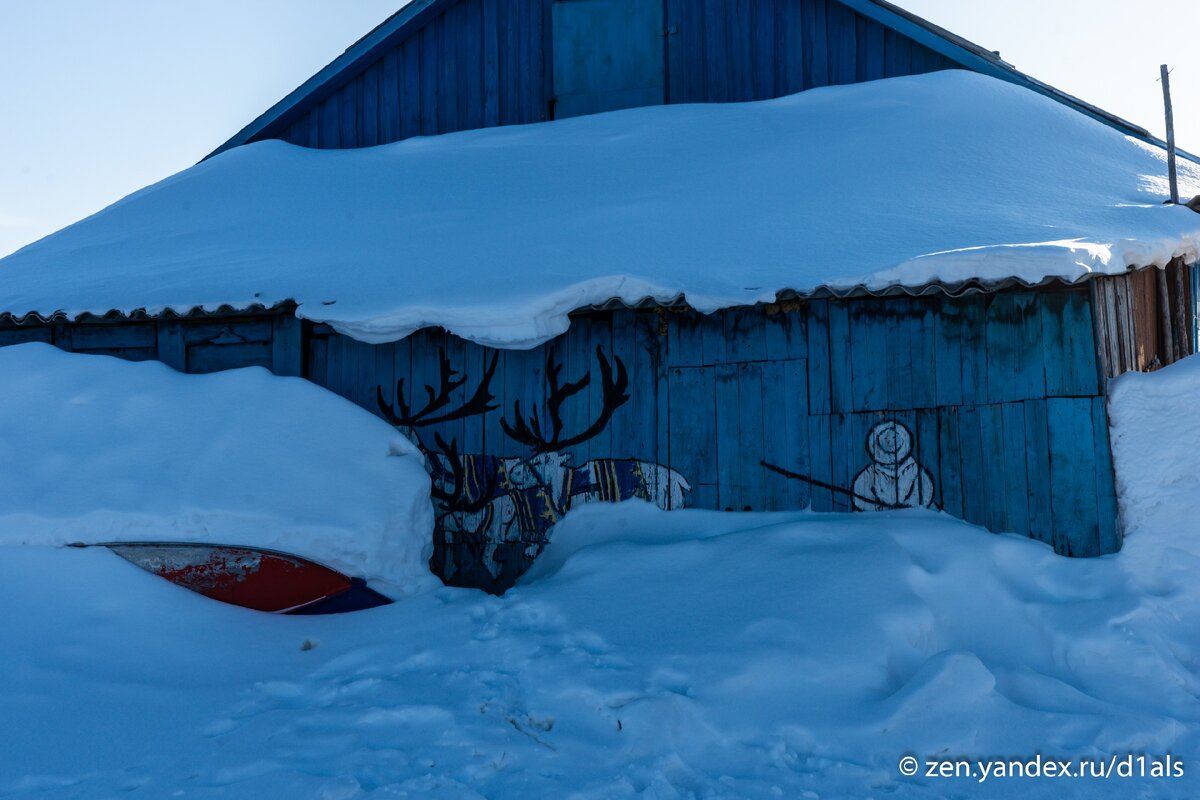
(947, 339)
(871, 51)
(971, 458)
(430, 76)
(577, 352)
(1069, 345)
(785, 334)
(683, 42)
(739, 21)
(471, 74)
(385, 378)
(693, 435)
(973, 355)
(868, 368)
(602, 337)
(926, 449)
(897, 54)
(410, 85)
(1098, 289)
(789, 47)
(346, 365)
(454, 431)
(751, 432)
(1014, 346)
(843, 54)
(317, 369)
(543, 69)
(923, 346)
(366, 380)
(287, 347)
(40, 333)
(729, 460)
(819, 377)
(391, 100)
(715, 54)
(685, 347)
(450, 28)
(785, 436)
(662, 396)
(228, 332)
(1016, 476)
(820, 460)
(1111, 536)
(96, 337)
(712, 338)
(349, 98)
(991, 438)
(845, 449)
(1037, 467)
(507, 26)
(762, 52)
(900, 332)
(745, 334)
(841, 392)
(475, 361)
(525, 41)
(635, 422)
(329, 126)
(368, 106)
(491, 62)
(949, 475)
(1072, 476)
(126, 353)
(815, 47)
(213, 358)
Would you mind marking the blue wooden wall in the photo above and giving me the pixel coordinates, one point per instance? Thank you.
(194, 345)
(759, 408)
(1000, 393)
(480, 63)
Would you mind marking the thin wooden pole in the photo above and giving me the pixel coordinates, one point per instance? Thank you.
(1166, 82)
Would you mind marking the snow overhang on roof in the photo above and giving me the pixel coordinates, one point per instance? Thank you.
(949, 179)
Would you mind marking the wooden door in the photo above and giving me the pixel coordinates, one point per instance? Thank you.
(608, 54)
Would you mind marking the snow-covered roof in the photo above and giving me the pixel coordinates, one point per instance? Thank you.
(498, 234)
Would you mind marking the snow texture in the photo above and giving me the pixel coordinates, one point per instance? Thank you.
(97, 449)
(689, 654)
(496, 235)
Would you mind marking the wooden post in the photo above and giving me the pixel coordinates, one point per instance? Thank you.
(1166, 83)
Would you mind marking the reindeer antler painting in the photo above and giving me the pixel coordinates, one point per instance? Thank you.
(484, 500)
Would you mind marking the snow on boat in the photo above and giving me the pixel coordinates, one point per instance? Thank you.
(263, 580)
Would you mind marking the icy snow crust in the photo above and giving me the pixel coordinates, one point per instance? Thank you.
(97, 449)
(498, 234)
(689, 654)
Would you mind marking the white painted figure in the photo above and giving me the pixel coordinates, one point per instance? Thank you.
(894, 479)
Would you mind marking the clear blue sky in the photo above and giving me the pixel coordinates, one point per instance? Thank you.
(102, 98)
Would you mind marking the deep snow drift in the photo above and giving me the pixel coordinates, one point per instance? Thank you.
(497, 234)
(650, 654)
(96, 449)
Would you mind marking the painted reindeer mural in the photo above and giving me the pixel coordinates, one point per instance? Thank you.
(501, 508)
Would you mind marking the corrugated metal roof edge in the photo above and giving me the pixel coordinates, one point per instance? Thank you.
(952, 289)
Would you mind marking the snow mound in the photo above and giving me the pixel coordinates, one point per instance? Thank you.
(496, 235)
(740, 656)
(1155, 434)
(97, 449)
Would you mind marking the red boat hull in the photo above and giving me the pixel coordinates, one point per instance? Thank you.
(263, 580)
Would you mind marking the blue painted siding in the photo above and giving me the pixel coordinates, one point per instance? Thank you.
(480, 63)
(992, 406)
(774, 408)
